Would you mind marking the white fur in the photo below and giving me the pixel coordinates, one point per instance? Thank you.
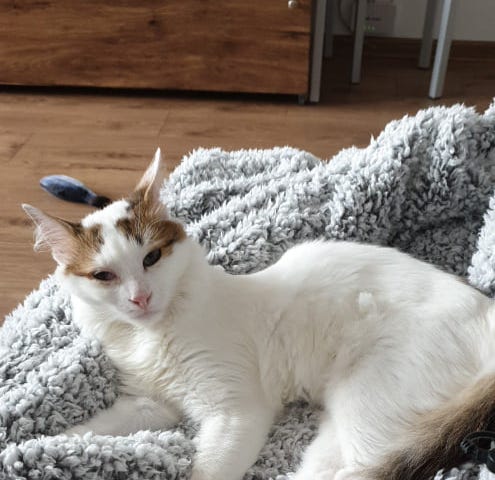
(371, 334)
(108, 216)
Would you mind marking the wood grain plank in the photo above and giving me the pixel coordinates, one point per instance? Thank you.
(82, 112)
(11, 141)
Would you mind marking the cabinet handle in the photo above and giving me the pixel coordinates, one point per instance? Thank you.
(293, 4)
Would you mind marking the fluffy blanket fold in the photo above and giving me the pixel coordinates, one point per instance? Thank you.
(425, 185)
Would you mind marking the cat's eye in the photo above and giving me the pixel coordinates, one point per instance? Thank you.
(104, 276)
(152, 258)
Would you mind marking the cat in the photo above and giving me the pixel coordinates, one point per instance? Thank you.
(399, 354)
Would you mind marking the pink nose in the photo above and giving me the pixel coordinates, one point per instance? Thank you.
(141, 300)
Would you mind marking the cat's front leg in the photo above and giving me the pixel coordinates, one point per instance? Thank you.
(229, 443)
(127, 415)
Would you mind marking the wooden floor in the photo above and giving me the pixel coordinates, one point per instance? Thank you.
(106, 139)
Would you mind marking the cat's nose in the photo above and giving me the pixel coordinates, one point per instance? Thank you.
(141, 300)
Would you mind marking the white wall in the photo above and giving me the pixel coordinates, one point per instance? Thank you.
(474, 19)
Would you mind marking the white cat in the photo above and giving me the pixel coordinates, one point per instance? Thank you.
(399, 353)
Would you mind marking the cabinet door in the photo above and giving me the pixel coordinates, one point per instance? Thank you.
(222, 45)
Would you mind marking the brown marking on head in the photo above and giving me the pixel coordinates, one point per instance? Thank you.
(148, 220)
(88, 242)
(148, 223)
(434, 441)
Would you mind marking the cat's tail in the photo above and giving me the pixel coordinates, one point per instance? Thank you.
(434, 443)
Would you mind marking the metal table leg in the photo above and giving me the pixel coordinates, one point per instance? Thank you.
(427, 38)
(317, 54)
(443, 50)
(358, 41)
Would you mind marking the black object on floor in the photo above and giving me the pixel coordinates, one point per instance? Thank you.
(480, 447)
(72, 190)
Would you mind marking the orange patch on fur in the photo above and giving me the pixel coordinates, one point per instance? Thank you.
(147, 224)
(86, 243)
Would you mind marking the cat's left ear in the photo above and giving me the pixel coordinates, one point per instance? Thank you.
(152, 181)
(55, 233)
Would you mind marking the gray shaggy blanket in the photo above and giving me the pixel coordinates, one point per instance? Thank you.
(425, 185)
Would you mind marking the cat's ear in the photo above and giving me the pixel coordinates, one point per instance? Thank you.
(152, 180)
(52, 232)
(148, 188)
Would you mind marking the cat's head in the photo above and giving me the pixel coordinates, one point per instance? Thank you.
(124, 260)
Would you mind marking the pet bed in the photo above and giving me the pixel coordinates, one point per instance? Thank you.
(425, 185)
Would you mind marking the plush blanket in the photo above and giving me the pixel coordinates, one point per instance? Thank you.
(425, 186)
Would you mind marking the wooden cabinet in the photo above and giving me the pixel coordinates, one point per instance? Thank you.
(214, 45)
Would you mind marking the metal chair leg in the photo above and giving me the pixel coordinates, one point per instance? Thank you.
(329, 19)
(443, 50)
(357, 55)
(427, 38)
(317, 54)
